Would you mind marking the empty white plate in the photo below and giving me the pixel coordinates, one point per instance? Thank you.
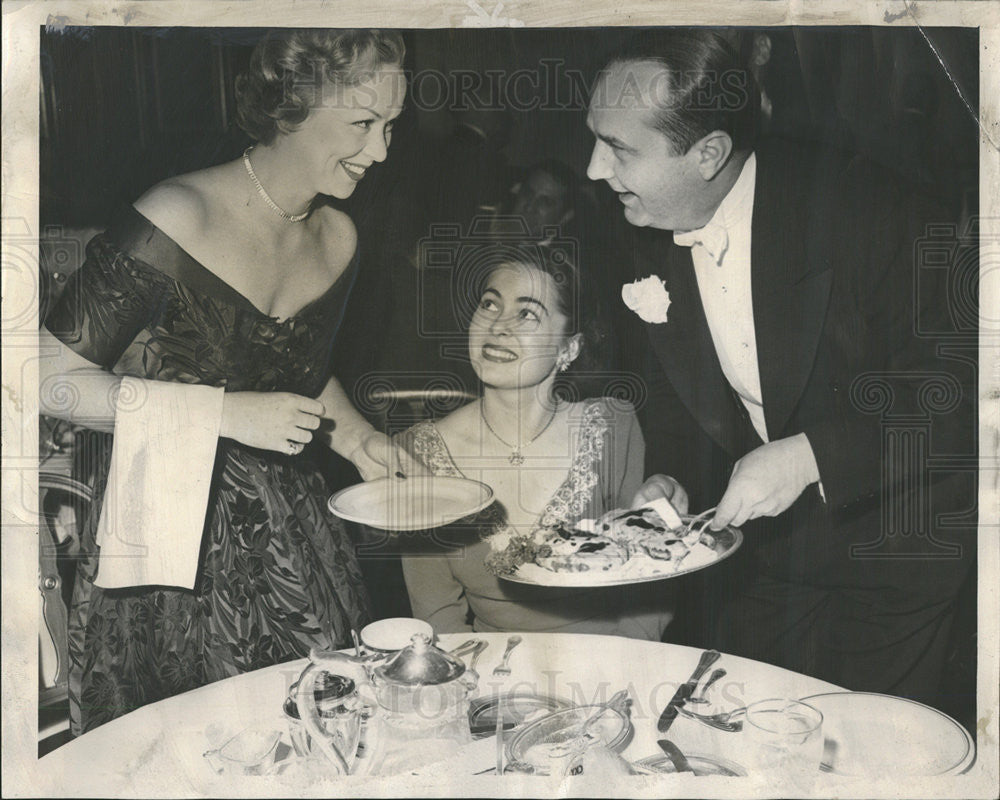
(410, 504)
(868, 734)
(394, 633)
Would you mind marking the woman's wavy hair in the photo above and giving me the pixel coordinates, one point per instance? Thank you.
(578, 299)
(290, 70)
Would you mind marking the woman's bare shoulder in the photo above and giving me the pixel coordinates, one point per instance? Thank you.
(339, 234)
(183, 204)
(460, 426)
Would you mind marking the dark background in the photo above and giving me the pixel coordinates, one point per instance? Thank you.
(123, 108)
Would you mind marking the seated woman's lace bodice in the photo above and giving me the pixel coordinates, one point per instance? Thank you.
(453, 575)
(571, 501)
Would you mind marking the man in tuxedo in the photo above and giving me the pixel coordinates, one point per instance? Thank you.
(786, 362)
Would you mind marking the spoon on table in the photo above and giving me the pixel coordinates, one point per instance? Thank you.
(478, 651)
(724, 721)
(465, 648)
(716, 675)
(616, 701)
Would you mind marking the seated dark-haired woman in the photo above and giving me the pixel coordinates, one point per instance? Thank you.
(549, 461)
(222, 291)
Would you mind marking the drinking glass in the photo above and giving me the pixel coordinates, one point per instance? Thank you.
(785, 738)
(249, 752)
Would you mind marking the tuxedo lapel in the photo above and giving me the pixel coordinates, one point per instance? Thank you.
(685, 348)
(791, 278)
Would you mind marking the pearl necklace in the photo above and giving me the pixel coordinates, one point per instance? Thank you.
(515, 457)
(266, 197)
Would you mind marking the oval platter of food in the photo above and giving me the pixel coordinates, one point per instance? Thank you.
(415, 503)
(651, 543)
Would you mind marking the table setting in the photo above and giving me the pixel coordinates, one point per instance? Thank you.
(521, 709)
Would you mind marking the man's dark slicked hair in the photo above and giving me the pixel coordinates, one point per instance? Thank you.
(706, 86)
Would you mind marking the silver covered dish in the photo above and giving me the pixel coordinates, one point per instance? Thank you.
(423, 686)
(420, 664)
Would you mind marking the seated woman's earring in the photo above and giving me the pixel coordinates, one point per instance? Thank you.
(565, 358)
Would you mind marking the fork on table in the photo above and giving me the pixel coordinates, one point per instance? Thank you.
(503, 669)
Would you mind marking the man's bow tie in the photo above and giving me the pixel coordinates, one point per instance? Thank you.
(713, 237)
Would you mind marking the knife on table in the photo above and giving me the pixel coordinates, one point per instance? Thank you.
(685, 690)
(675, 755)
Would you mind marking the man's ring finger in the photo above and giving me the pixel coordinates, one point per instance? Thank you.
(293, 448)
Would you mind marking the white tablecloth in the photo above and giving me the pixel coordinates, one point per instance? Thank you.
(158, 749)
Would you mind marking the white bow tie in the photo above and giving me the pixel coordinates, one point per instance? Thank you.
(713, 237)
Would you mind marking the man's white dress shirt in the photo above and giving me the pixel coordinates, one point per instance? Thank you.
(723, 272)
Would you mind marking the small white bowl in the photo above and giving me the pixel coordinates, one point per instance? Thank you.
(394, 633)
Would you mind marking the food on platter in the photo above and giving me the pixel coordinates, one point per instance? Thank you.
(652, 539)
(569, 551)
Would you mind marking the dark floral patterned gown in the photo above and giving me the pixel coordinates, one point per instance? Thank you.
(277, 573)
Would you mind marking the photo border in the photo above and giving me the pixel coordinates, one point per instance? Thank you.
(22, 772)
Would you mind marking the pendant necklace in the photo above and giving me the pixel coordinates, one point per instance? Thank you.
(266, 197)
(515, 457)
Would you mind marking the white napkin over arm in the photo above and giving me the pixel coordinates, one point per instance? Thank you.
(153, 516)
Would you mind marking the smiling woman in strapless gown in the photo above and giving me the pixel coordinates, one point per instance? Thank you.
(236, 276)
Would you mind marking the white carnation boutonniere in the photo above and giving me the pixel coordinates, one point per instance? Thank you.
(647, 297)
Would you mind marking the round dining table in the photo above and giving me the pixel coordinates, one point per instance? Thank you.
(158, 750)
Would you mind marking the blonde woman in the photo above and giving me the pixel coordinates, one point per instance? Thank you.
(236, 277)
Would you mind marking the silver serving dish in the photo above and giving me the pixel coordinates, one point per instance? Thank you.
(424, 682)
(515, 709)
(420, 664)
(558, 739)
